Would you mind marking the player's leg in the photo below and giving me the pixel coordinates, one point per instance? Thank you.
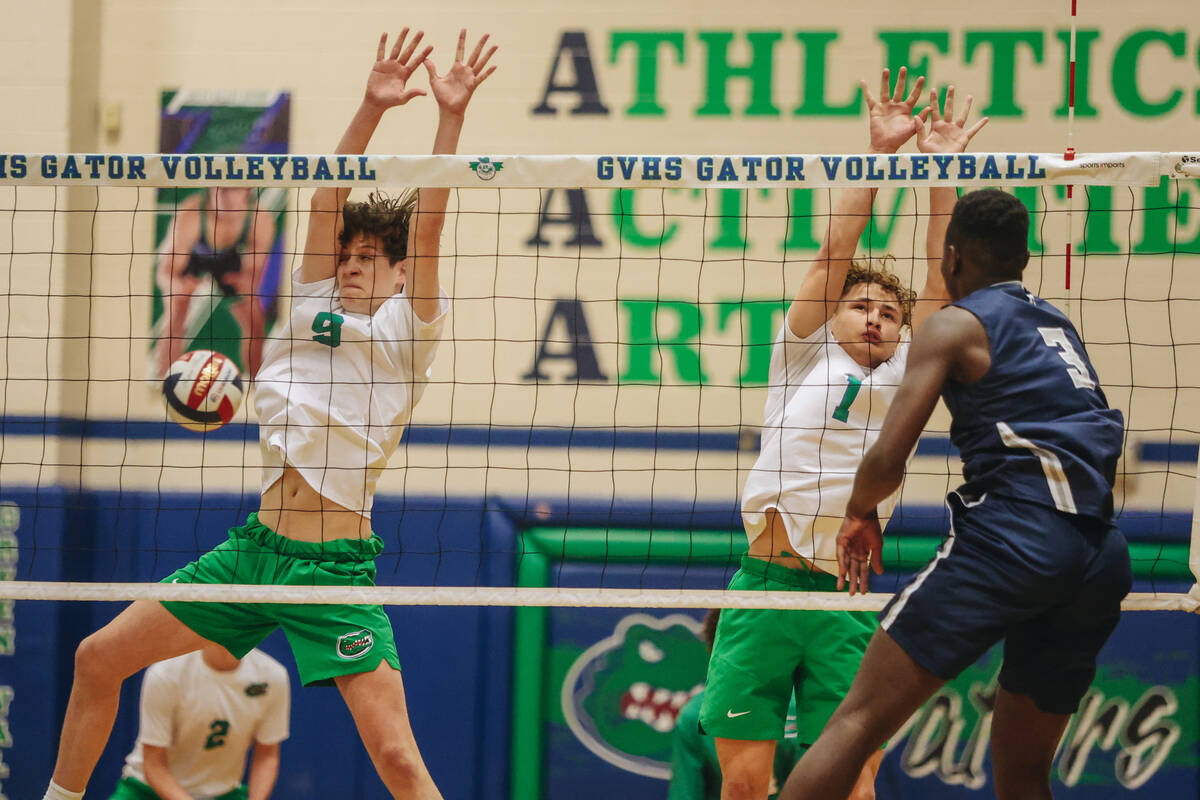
(1024, 740)
(143, 633)
(835, 645)
(888, 688)
(746, 768)
(376, 701)
(1050, 659)
(864, 787)
(750, 682)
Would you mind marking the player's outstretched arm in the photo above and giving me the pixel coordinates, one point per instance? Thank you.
(952, 344)
(453, 92)
(264, 769)
(942, 133)
(387, 86)
(891, 125)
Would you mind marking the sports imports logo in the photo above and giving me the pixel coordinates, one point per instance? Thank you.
(485, 168)
(355, 644)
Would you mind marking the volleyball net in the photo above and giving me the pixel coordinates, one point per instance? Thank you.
(595, 404)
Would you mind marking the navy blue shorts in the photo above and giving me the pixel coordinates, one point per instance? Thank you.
(1050, 584)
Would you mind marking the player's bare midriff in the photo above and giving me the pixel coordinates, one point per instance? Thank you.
(772, 545)
(293, 509)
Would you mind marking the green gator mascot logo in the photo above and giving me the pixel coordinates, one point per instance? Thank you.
(622, 695)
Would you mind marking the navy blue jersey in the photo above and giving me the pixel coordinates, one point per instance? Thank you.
(1037, 426)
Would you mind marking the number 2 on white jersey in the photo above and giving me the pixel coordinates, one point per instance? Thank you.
(1076, 368)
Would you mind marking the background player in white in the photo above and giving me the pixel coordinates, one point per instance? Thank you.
(339, 383)
(200, 715)
(837, 362)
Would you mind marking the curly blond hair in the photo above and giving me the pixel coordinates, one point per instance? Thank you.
(879, 272)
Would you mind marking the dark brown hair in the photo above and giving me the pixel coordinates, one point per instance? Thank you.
(878, 271)
(386, 218)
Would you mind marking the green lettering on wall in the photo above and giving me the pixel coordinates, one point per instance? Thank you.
(802, 221)
(898, 49)
(718, 73)
(1083, 71)
(625, 217)
(647, 347)
(1031, 196)
(876, 239)
(1168, 207)
(758, 335)
(1126, 63)
(1098, 221)
(1003, 45)
(730, 219)
(647, 45)
(816, 46)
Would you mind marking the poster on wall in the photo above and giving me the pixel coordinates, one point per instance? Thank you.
(218, 250)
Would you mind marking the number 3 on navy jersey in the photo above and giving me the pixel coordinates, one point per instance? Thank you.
(1076, 368)
(328, 328)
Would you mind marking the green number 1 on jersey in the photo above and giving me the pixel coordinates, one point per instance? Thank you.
(328, 328)
(842, 412)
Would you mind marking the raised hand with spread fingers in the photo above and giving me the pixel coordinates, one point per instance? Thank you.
(454, 89)
(942, 133)
(891, 114)
(387, 84)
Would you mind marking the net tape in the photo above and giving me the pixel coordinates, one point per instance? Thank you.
(585, 171)
(500, 596)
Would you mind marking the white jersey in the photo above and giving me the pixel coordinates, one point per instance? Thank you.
(823, 412)
(336, 389)
(207, 719)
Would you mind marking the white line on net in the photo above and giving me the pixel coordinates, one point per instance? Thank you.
(496, 596)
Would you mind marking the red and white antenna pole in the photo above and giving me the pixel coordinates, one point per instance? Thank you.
(1069, 154)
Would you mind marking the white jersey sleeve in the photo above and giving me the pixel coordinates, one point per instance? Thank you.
(157, 707)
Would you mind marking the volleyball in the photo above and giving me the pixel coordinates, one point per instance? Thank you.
(203, 390)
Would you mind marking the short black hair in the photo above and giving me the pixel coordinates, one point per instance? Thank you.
(386, 218)
(992, 227)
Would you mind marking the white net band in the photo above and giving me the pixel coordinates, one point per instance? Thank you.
(594, 171)
(497, 596)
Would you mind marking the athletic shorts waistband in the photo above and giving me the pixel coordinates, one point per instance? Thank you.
(332, 550)
(804, 579)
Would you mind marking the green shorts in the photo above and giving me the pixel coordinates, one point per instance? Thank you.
(761, 656)
(133, 789)
(327, 640)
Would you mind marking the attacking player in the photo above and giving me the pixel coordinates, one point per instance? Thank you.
(836, 365)
(1032, 557)
(334, 393)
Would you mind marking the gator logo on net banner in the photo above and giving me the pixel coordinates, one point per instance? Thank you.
(485, 168)
(355, 644)
(622, 695)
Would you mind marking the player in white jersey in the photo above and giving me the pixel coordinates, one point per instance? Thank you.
(339, 384)
(201, 714)
(835, 366)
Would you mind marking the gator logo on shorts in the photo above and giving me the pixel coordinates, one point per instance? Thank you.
(256, 690)
(355, 644)
(622, 695)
